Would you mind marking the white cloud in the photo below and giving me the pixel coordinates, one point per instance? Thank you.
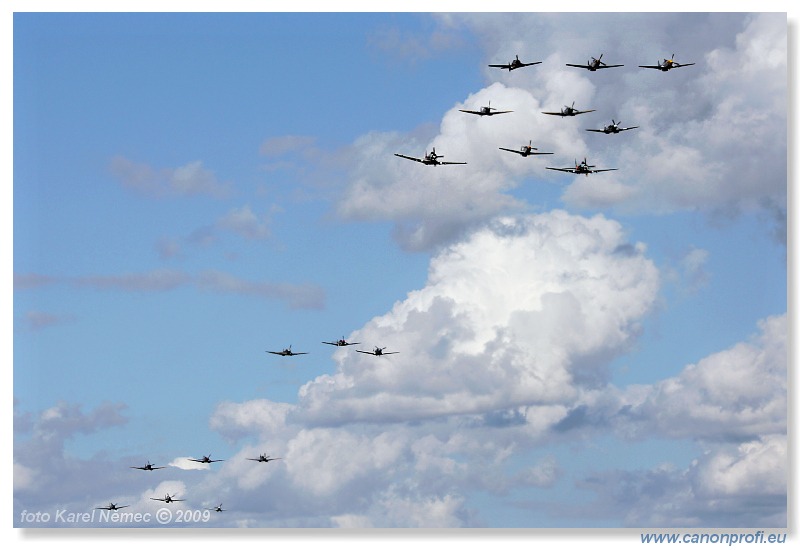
(737, 393)
(712, 136)
(520, 314)
(756, 467)
(186, 463)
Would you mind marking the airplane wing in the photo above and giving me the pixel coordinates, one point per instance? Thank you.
(604, 170)
(299, 353)
(405, 157)
(510, 150)
(389, 352)
(559, 113)
(594, 130)
(582, 112)
(161, 499)
(506, 66)
(471, 112)
(498, 112)
(676, 65)
(650, 66)
(442, 162)
(609, 66)
(628, 128)
(579, 66)
(529, 64)
(367, 352)
(570, 170)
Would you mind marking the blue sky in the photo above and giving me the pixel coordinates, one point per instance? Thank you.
(191, 190)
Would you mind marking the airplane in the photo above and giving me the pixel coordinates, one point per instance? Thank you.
(288, 352)
(341, 342)
(515, 64)
(431, 159)
(377, 351)
(582, 168)
(612, 128)
(264, 458)
(217, 508)
(206, 459)
(525, 150)
(112, 506)
(594, 64)
(569, 111)
(486, 111)
(148, 467)
(167, 498)
(666, 65)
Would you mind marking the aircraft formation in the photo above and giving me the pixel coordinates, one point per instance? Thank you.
(287, 352)
(433, 159)
(168, 498)
(593, 64)
(263, 457)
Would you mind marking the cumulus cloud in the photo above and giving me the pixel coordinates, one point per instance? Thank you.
(511, 326)
(739, 393)
(694, 125)
(188, 180)
(517, 315)
(46, 472)
(728, 486)
(508, 340)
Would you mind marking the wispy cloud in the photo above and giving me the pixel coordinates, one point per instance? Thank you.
(188, 180)
(297, 296)
(38, 320)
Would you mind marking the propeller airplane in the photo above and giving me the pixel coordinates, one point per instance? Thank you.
(666, 65)
(148, 467)
(430, 159)
(341, 343)
(594, 64)
(112, 506)
(612, 128)
(525, 150)
(515, 64)
(485, 111)
(582, 168)
(167, 498)
(206, 459)
(377, 351)
(264, 458)
(288, 352)
(569, 110)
